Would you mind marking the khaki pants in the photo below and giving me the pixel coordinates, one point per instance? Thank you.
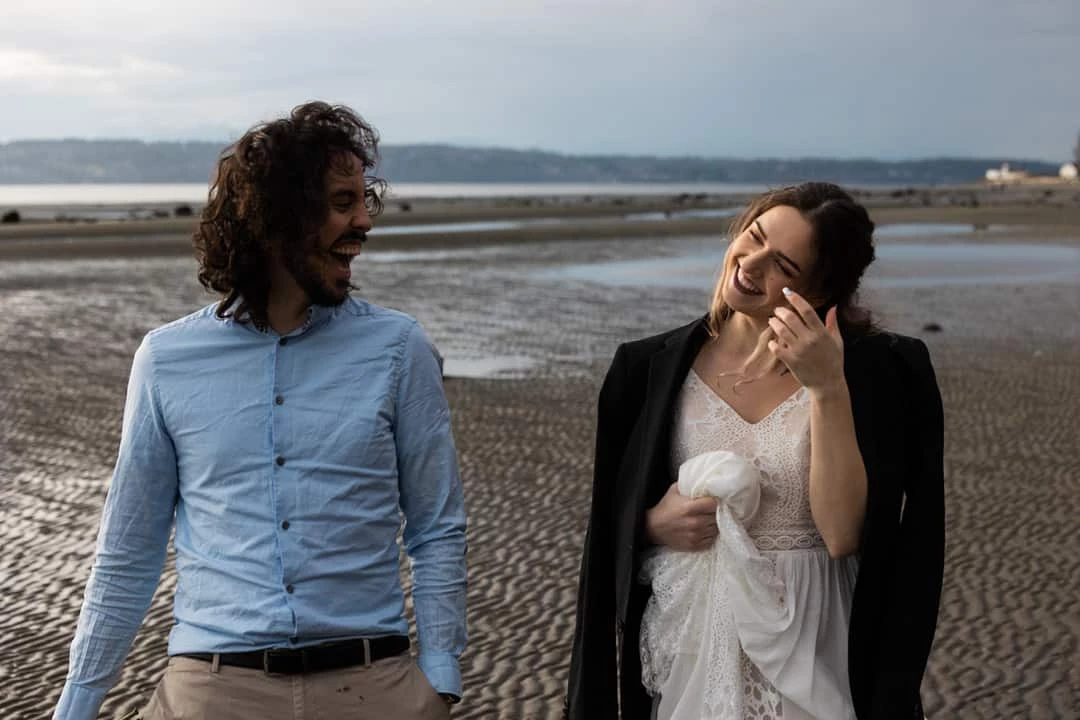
(389, 688)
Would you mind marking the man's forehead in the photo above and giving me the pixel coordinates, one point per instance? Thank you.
(344, 167)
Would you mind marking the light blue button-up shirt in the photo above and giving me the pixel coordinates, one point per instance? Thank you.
(287, 463)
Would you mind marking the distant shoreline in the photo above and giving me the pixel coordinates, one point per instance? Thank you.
(1047, 213)
(73, 160)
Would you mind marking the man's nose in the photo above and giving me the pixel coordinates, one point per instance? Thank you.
(361, 220)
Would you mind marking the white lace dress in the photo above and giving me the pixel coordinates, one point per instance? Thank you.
(755, 628)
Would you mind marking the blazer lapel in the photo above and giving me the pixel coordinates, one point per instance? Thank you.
(667, 372)
(648, 475)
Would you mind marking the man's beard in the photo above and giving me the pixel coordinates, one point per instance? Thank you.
(303, 264)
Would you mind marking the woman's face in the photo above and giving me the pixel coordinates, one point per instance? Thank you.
(774, 252)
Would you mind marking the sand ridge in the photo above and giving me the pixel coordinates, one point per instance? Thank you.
(1008, 363)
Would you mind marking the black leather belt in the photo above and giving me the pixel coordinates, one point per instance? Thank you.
(317, 658)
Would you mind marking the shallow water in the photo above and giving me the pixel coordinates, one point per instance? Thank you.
(899, 265)
(495, 366)
(913, 230)
(520, 223)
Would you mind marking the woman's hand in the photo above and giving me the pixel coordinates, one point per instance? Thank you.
(811, 350)
(682, 523)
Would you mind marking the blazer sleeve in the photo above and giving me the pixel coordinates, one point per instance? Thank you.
(913, 598)
(592, 685)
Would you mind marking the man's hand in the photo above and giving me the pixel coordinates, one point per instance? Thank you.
(682, 523)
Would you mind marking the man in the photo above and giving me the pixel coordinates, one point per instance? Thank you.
(287, 429)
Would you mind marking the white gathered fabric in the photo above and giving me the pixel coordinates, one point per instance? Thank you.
(736, 632)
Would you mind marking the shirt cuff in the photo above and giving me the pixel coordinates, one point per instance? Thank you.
(442, 671)
(79, 702)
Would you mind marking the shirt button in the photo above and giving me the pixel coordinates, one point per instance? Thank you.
(284, 524)
(279, 400)
(283, 341)
(289, 588)
(280, 460)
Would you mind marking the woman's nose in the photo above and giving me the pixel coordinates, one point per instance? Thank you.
(755, 261)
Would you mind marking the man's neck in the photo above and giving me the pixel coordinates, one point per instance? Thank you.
(285, 314)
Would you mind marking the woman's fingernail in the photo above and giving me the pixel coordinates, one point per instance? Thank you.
(786, 291)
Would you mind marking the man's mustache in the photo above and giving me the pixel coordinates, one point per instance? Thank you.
(354, 236)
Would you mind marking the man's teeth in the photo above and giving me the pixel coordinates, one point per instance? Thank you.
(347, 250)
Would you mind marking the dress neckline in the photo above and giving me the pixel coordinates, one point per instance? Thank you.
(716, 396)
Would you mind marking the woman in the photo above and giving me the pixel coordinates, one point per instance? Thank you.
(842, 426)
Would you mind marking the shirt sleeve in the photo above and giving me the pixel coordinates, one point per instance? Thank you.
(130, 551)
(434, 507)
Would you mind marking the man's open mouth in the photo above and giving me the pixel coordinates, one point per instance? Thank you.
(345, 252)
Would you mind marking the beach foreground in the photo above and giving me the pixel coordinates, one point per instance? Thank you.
(1008, 362)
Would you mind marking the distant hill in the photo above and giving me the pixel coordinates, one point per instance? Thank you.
(131, 161)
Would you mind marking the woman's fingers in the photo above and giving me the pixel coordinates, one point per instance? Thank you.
(782, 331)
(804, 309)
(792, 320)
(781, 352)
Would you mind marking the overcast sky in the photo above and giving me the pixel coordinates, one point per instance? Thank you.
(880, 78)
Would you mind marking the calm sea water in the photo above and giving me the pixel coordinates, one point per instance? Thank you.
(899, 264)
(18, 196)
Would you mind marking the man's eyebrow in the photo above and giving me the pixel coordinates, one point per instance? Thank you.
(761, 230)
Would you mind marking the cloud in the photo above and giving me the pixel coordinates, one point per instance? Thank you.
(716, 77)
(42, 73)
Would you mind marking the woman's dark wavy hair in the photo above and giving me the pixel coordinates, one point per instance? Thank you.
(271, 187)
(843, 237)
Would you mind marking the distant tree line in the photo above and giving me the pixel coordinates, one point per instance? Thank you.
(104, 161)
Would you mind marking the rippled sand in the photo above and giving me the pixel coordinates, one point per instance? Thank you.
(1008, 363)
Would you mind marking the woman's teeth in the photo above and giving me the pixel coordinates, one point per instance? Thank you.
(745, 284)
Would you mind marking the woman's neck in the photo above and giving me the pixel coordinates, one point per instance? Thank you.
(740, 333)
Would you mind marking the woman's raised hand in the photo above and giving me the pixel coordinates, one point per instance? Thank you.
(813, 351)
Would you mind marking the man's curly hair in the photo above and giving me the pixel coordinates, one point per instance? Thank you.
(270, 188)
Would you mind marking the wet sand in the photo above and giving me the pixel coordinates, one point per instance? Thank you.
(1008, 361)
(1051, 211)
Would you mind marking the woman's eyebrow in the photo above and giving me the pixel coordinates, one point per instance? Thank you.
(785, 258)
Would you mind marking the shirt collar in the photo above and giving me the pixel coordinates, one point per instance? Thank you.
(317, 316)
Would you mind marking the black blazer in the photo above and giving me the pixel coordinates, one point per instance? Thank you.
(899, 427)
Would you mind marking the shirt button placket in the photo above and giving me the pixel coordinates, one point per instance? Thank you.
(279, 460)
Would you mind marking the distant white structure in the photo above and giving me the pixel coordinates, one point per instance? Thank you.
(1069, 171)
(1005, 174)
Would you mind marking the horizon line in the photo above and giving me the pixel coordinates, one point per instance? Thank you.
(627, 156)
